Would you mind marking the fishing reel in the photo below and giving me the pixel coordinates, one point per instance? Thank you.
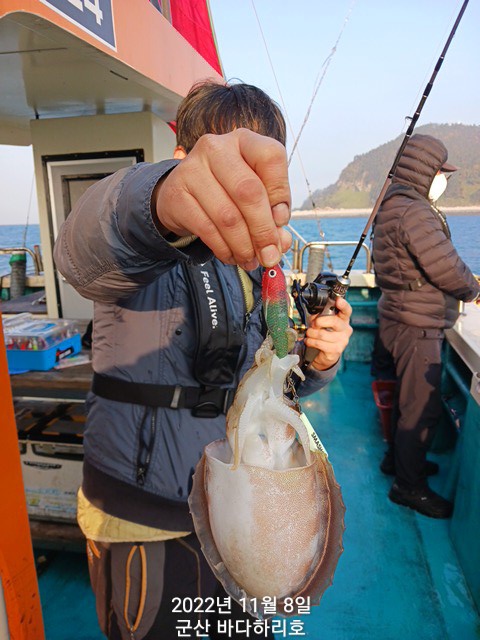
(318, 298)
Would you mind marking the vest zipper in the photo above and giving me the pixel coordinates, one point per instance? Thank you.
(145, 448)
(249, 314)
(248, 308)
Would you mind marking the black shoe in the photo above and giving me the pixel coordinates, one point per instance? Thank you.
(387, 466)
(424, 500)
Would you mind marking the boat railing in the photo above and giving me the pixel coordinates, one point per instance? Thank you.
(35, 255)
(316, 251)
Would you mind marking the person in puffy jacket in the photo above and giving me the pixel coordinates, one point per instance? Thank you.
(422, 279)
(176, 325)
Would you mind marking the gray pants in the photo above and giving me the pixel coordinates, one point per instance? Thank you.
(417, 403)
(161, 591)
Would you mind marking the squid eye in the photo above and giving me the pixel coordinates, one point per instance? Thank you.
(272, 273)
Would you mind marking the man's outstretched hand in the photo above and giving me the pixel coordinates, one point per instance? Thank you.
(232, 192)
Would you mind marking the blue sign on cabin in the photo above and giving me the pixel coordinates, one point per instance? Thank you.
(94, 16)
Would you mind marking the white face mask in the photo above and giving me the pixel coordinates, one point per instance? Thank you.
(437, 187)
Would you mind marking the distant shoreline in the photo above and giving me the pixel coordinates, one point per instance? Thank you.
(298, 214)
(364, 213)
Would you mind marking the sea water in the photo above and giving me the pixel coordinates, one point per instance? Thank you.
(465, 231)
(465, 235)
(14, 236)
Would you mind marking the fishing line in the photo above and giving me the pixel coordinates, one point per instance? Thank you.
(317, 85)
(284, 106)
(325, 65)
(27, 223)
(282, 101)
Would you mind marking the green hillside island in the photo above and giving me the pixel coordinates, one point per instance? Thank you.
(361, 181)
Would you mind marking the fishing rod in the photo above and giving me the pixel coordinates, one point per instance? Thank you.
(319, 296)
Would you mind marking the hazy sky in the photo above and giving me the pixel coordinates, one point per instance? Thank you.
(375, 79)
(383, 61)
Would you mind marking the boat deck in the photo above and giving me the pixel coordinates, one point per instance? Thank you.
(399, 576)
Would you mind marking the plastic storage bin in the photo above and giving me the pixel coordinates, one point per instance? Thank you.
(383, 391)
(39, 343)
(51, 454)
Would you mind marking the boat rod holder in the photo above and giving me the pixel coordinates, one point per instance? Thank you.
(338, 243)
(33, 255)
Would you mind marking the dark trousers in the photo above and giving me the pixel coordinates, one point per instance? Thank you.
(417, 402)
(162, 591)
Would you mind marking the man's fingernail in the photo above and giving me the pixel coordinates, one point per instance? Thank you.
(281, 214)
(250, 266)
(269, 256)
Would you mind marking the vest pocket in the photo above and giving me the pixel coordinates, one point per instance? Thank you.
(136, 587)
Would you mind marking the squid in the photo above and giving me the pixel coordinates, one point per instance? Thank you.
(266, 507)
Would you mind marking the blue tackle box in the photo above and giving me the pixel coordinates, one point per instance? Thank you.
(38, 344)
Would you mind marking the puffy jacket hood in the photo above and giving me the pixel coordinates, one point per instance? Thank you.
(420, 161)
(397, 189)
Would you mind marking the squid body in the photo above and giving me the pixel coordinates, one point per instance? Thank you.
(266, 508)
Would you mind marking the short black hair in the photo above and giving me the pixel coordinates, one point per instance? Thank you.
(211, 107)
